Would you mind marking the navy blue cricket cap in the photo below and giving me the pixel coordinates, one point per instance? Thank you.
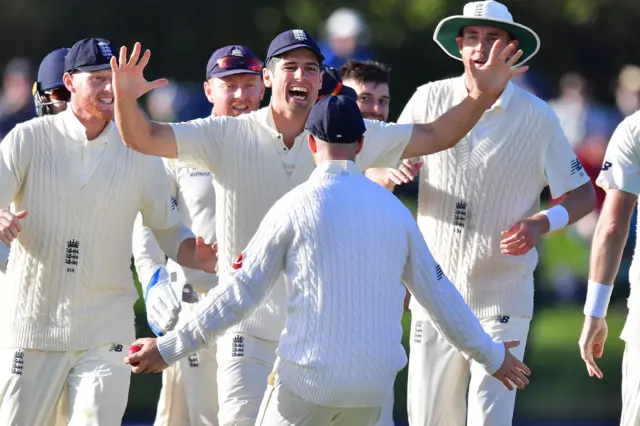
(336, 119)
(230, 60)
(332, 84)
(89, 54)
(51, 70)
(293, 39)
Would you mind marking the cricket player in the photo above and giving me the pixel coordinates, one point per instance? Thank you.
(66, 300)
(256, 159)
(189, 394)
(371, 81)
(479, 211)
(341, 346)
(620, 179)
(50, 97)
(332, 84)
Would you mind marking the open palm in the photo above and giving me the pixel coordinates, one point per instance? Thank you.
(128, 80)
(492, 77)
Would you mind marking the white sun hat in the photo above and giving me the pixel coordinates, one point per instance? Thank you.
(485, 13)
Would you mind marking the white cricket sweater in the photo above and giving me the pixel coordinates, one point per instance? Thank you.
(345, 245)
(244, 156)
(620, 170)
(467, 197)
(196, 197)
(68, 284)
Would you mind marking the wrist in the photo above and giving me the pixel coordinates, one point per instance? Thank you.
(557, 217)
(598, 297)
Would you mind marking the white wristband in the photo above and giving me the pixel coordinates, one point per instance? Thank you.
(598, 296)
(557, 216)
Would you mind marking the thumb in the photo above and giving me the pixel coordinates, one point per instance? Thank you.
(22, 214)
(155, 84)
(511, 343)
(598, 350)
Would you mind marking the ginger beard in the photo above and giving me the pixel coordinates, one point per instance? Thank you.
(92, 93)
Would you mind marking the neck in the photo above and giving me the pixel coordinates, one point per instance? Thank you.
(289, 124)
(470, 85)
(93, 125)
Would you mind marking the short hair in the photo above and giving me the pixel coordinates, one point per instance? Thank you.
(366, 72)
(273, 63)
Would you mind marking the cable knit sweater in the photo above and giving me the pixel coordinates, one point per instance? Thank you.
(345, 245)
(243, 155)
(467, 197)
(68, 283)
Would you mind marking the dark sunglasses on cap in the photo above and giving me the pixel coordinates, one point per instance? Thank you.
(235, 62)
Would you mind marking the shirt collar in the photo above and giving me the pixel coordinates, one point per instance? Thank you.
(76, 130)
(501, 103)
(336, 167)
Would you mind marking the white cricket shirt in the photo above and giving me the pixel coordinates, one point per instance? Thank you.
(68, 284)
(249, 177)
(345, 245)
(472, 192)
(621, 171)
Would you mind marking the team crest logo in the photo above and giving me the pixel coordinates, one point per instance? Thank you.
(237, 264)
(299, 35)
(236, 52)
(105, 49)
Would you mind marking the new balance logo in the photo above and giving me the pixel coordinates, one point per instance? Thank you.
(459, 216)
(237, 346)
(194, 362)
(18, 363)
(72, 254)
(115, 348)
(606, 166)
(503, 320)
(439, 272)
(576, 167)
(174, 202)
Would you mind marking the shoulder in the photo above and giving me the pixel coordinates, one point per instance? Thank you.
(31, 132)
(437, 88)
(535, 106)
(631, 123)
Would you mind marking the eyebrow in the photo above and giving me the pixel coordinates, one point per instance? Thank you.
(304, 63)
(371, 94)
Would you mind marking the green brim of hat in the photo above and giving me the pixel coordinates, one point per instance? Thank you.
(449, 28)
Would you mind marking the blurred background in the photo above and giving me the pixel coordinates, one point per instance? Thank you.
(587, 69)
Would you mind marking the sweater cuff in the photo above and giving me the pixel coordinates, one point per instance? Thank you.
(172, 348)
(494, 358)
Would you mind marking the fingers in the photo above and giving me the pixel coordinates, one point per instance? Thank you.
(505, 381)
(598, 349)
(114, 63)
(519, 70)
(505, 53)
(10, 226)
(396, 177)
(513, 59)
(145, 59)
(517, 378)
(522, 367)
(511, 344)
(155, 84)
(494, 55)
(122, 60)
(586, 352)
(135, 54)
(22, 214)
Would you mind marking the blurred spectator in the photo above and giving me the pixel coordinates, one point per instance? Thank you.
(347, 37)
(16, 101)
(628, 91)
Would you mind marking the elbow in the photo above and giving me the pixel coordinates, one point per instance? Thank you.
(589, 198)
(610, 230)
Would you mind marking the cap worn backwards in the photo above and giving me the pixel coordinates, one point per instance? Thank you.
(336, 119)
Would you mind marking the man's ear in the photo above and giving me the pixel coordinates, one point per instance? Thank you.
(359, 144)
(267, 77)
(313, 146)
(67, 79)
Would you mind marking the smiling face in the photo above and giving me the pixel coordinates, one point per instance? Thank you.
(235, 94)
(476, 42)
(91, 93)
(294, 79)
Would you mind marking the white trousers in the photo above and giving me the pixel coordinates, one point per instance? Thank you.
(244, 365)
(386, 415)
(80, 388)
(189, 395)
(631, 385)
(444, 389)
(281, 407)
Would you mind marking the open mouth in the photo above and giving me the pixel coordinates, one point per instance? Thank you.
(106, 101)
(480, 62)
(240, 107)
(299, 93)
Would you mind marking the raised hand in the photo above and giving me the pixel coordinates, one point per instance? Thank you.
(10, 225)
(513, 371)
(492, 77)
(128, 80)
(592, 340)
